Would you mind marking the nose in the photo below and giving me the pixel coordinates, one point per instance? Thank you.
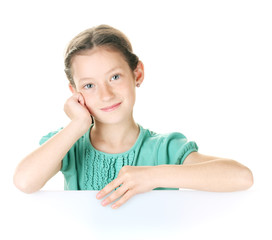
(106, 93)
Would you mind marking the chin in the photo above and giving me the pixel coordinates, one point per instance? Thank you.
(107, 120)
(111, 119)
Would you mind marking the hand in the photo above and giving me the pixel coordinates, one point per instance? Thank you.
(133, 180)
(76, 110)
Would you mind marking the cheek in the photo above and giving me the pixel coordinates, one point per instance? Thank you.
(89, 101)
(131, 96)
(128, 88)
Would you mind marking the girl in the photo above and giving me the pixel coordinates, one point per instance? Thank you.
(103, 148)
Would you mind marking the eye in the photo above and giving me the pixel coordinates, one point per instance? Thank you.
(89, 85)
(115, 77)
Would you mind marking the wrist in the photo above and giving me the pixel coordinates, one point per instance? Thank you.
(158, 176)
(79, 127)
(167, 176)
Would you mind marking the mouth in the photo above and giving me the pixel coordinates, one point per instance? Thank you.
(111, 108)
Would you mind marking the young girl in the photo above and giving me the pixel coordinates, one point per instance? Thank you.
(103, 148)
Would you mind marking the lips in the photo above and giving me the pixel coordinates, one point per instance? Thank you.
(111, 108)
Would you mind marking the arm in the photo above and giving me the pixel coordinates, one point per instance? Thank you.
(206, 173)
(39, 166)
(199, 172)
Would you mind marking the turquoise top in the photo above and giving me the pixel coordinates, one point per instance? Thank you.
(85, 168)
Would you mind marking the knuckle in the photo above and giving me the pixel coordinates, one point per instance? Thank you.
(126, 197)
(131, 184)
(126, 168)
(102, 192)
(127, 175)
(105, 190)
(110, 199)
(123, 169)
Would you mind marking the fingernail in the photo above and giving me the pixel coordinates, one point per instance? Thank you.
(104, 203)
(114, 206)
(98, 195)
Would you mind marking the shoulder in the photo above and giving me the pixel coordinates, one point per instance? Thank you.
(170, 142)
(169, 148)
(162, 138)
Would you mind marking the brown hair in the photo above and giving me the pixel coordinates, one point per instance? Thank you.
(102, 35)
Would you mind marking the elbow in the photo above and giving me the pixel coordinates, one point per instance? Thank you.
(241, 177)
(246, 179)
(23, 184)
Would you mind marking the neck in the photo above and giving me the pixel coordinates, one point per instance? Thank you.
(114, 138)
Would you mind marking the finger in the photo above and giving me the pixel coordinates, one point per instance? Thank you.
(115, 195)
(80, 99)
(129, 194)
(76, 98)
(108, 188)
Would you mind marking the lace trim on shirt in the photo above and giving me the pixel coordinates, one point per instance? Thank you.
(101, 169)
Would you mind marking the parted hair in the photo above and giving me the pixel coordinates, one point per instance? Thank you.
(99, 36)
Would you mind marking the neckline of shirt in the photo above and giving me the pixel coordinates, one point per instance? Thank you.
(137, 142)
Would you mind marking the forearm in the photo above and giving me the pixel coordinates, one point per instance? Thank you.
(215, 175)
(39, 166)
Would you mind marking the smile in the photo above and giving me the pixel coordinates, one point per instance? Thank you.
(111, 108)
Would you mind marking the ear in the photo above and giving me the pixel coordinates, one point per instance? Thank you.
(72, 89)
(139, 74)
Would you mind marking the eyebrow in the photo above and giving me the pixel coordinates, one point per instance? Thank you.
(111, 70)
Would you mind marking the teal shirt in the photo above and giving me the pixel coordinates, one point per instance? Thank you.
(85, 168)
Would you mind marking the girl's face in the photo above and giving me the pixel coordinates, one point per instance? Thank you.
(107, 84)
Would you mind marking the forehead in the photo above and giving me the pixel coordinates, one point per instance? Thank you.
(97, 61)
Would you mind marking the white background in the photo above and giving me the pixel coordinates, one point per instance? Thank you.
(207, 74)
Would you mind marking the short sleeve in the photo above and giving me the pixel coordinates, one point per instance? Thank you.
(48, 136)
(174, 148)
